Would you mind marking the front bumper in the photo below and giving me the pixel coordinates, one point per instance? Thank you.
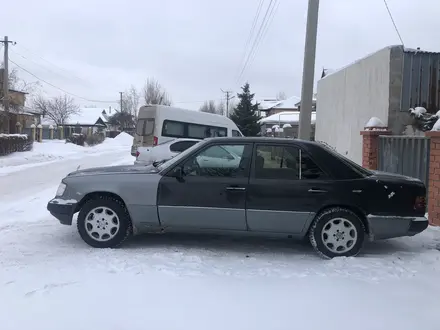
(142, 162)
(62, 210)
(383, 227)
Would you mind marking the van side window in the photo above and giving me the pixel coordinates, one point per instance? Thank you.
(173, 129)
(189, 130)
(235, 133)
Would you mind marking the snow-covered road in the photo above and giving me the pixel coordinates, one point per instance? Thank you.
(49, 278)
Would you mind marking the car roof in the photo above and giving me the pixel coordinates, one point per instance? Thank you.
(240, 139)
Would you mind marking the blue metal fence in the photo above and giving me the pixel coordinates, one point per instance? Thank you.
(406, 155)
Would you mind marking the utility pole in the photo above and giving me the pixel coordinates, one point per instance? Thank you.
(6, 43)
(120, 101)
(227, 100)
(305, 114)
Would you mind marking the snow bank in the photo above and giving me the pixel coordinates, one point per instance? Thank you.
(418, 111)
(50, 151)
(375, 122)
(123, 140)
(436, 126)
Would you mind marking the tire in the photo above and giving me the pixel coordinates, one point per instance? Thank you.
(345, 226)
(114, 225)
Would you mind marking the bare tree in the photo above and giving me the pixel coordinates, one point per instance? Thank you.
(281, 96)
(221, 108)
(211, 107)
(208, 106)
(130, 101)
(154, 93)
(59, 109)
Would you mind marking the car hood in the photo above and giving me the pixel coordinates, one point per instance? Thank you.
(392, 176)
(128, 169)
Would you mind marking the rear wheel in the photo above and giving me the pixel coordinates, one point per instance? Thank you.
(337, 232)
(104, 222)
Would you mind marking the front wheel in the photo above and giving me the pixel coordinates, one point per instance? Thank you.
(337, 232)
(104, 222)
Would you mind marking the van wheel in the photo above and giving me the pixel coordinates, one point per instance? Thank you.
(337, 232)
(104, 222)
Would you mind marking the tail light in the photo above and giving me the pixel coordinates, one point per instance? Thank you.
(137, 154)
(420, 203)
(155, 140)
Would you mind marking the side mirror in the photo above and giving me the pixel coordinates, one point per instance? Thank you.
(177, 173)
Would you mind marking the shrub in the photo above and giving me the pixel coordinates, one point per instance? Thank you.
(76, 138)
(10, 143)
(95, 139)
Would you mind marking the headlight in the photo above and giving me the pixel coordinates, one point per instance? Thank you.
(61, 189)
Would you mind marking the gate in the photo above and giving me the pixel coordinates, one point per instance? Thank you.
(406, 155)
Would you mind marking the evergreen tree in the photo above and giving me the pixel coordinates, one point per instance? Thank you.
(245, 114)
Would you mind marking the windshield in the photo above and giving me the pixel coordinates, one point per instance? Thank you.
(177, 158)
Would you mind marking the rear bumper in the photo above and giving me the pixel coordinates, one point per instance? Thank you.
(63, 212)
(383, 227)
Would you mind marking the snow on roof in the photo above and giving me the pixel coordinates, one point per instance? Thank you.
(285, 117)
(267, 103)
(289, 103)
(87, 116)
(375, 122)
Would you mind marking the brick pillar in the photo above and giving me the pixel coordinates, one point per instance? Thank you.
(370, 146)
(434, 178)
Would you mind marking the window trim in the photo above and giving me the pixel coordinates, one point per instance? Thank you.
(186, 129)
(284, 145)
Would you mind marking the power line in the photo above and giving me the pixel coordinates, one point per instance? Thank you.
(42, 66)
(258, 37)
(392, 20)
(59, 88)
(51, 63)
(251, 32)
(265, 28)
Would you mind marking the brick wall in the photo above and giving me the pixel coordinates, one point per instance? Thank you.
(370, 146)
(434, 179)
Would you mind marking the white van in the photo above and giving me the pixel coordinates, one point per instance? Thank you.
(157, 124)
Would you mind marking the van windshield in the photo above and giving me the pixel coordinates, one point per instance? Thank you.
(145, 126)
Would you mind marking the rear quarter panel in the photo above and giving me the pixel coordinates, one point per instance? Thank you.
(393, 197)
(138, 191)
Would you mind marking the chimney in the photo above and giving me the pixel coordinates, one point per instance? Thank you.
(110, 109)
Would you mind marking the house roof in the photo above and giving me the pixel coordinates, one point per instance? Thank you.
(87, 116)
(267, 103)
(291, 117)
(290, 103)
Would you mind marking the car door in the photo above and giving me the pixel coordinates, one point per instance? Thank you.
(207, 195)
(286, 189)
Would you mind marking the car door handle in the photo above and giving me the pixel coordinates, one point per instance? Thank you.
(316, 191)
(235, 188)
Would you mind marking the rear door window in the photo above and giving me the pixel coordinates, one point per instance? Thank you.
(145, 127)
(181, 146)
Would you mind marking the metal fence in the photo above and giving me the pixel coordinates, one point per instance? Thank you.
(406, 155)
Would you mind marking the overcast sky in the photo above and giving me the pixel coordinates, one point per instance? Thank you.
(97, 48)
